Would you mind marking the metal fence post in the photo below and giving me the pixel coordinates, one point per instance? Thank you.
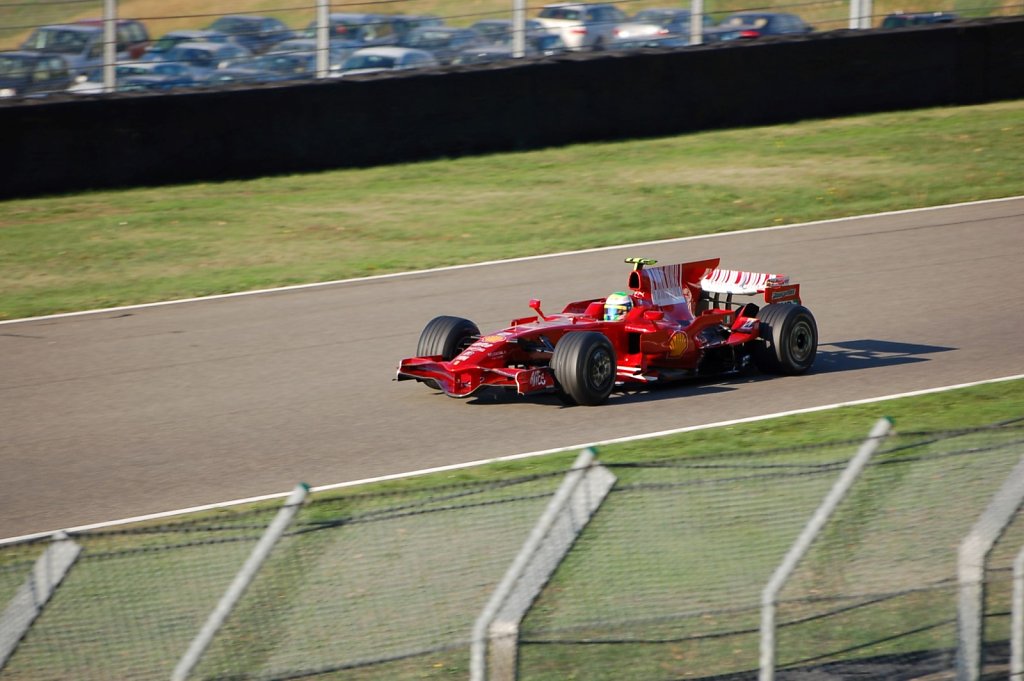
(974, 550)
(323, 40)
(30, 599)
(494, 640)
(770, 595)
(241, 582)
(518, 28)
(109, 45)
(696, 22)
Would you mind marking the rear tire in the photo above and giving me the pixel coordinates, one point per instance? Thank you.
(789, 339)
(584, 368)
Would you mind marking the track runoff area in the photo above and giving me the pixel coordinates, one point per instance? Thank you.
(525, 455)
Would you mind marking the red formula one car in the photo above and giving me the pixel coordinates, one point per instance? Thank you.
(672, 322)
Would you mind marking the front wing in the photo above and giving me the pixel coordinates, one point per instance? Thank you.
(463, 381)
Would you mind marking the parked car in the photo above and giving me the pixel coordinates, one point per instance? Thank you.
(901, 19)
(254, 33)
(132, 35)
(487, 54)
(267, 68)
(659, 22)
(158, 50)
(363, 29)
(338, 50)
(25, 73)
(406, 22)
(582, 25)
(756, 24)
(500, 30)
(136, 75)
(205, 58)
(671, 41)
(375, 59)
(80, 45)
(444, 42)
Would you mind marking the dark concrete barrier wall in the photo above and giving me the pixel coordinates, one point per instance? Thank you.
(55, 146)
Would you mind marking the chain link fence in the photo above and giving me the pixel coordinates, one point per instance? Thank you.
(664, 583)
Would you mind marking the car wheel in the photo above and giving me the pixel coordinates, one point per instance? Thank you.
(584, 368)
(447, 337)
(789, 339)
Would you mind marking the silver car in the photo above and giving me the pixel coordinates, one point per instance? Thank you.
(377, 59)
(582, 25)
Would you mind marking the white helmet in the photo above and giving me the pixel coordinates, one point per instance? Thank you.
(616, 306)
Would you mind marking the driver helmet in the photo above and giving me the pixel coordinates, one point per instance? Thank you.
(616, 306)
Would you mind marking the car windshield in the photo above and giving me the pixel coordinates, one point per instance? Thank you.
(369, 61)
(61, 41)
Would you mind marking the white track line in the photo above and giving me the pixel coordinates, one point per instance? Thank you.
(513, 457)
(299, 287)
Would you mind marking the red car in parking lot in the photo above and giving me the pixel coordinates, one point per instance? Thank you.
(670, 322)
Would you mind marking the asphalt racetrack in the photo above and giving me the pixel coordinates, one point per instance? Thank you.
(123, 413)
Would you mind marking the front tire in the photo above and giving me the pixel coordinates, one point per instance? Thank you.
(789, 339)
(447, 337)
(584, 367)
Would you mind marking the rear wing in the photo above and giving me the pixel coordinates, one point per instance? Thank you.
(695, 284)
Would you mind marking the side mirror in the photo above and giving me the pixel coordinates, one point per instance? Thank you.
(535, 306)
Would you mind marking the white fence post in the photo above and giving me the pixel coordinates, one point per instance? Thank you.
(974, 550)
(696, 22)
(109, 45)
(323, 40)
(770, 595)
(32, 596)
(518, 28)
(241, 582)
(495, 634)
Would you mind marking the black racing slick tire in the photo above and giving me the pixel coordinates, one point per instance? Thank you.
(789, 339)
(584, 367)
(447, 337)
